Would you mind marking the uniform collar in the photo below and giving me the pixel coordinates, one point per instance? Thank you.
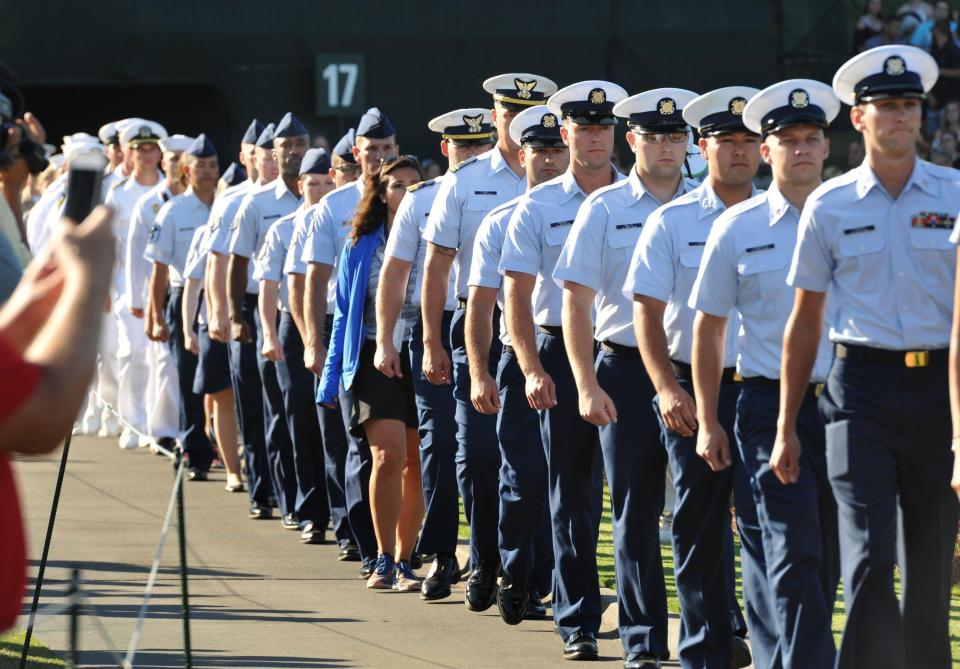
(919, 178)
(710, 202)
(193, 199)
(498, 163)
(280, 190)
(779, 205)
(638, 190)
(570, 186)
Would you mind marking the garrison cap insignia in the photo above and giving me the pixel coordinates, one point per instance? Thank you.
(524, 88)
(799, 98)
(548, 121)
(667, 106)
(598, 96)
(894, 66)
(473, 123)
(737, 105)
(144, 132)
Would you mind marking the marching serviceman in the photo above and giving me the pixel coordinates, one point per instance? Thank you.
(464, 133)
(474, 188)
(662, 272)
(525, 536)
(613, 387)
(536, 232)
(877, 238)
(744, 267)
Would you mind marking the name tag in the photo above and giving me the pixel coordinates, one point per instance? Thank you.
(189, 228)
(629, 226)
(765, 247)
(560, 224)
(933, 221)
(862, 228)
(484, 192)
(696, 243)
(267, 218)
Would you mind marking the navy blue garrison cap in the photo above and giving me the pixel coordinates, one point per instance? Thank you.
(290, 126)
(315, 161)
(233, 175)
(253, 131)
(202, 147)
(344, 148)
(265, 140)
(375, 125)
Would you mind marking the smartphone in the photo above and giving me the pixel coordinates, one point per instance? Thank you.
(84, 183)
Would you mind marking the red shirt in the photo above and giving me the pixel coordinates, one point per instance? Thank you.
(20, 379)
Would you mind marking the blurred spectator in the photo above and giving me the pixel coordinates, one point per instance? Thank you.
(945, 142)
(951, 116)
(947, 54)
(923, 35)
(869, 25)
(890, 34)
(941, 157)
(321, 142)
(921, 10)
(908, 26)
(431, 169)
(855, 153)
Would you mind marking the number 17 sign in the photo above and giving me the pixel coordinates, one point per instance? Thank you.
(340, 83)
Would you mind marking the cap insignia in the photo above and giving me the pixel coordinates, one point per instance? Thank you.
(799, 98)
(894, 66)
(598, 96)
(667, 106)
(548, 121)
(524, 88)
(473, 123)
(737, 105)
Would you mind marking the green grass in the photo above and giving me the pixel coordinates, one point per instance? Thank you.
(40, 656)
(608, 579)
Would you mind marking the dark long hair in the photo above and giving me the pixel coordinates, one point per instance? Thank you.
(372, 210)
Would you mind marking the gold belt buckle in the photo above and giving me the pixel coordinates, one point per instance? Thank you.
(916, 359)
(818, 390)
(737, 378)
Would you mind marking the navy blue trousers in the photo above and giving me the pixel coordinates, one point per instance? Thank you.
(573, 469)
(276, 434)
(525, 536)
(296, 385)
(635, 461)
(799, 524)
(709, 612)
(193, 435)
(357, 468)
(248, 394)
(438, 451)
(334, 442)
(888, 447)
(478, 450)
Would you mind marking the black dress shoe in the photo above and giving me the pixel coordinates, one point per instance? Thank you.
(348, 553)
(580, 646)
(740, 653)
(481, 590)
(290, 522)
(197, 475)
(313, 534)
(444, 572)
(641, 661)
(536, 609)
(260, 512)
(512, 600)
(367, 568)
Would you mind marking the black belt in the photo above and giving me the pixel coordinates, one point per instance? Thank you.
(620, 349)
(552, 330)
(685, 372)
(508, 349)
(462, 302)
(936, 358)
(813, 389)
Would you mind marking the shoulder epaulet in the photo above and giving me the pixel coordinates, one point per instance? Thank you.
(417, 186)
(117, 183)
(461, 165)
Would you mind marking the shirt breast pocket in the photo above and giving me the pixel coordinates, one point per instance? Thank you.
(556, 235)
(763, 276)
(861, 260)
(933, 252)
(624, 236)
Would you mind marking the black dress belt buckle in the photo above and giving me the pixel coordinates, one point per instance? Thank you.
(914, 359)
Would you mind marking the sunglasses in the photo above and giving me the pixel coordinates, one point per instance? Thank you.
(348, 168)
(661, 137)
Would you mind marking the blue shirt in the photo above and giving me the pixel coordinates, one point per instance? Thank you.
(487, 250)
(222, 214)
(330, 222)
(466, 195)
(888, 263)
(745, 266)
(259, 209)
(268, 265)
(536, 233)
(169, 242)
(598, 251)
(665, 263)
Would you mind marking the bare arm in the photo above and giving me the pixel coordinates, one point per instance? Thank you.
(157, 329)
(800, 342)
(267, 304)
(391, 291)
(216, 293)
(315, 315)
(191, 298)
(436, 277)
(676, 406)
(708, 350)
(595, 405)
(295, 287)
(955, 381)
(484, 393)
(240, 330)
(518, 296)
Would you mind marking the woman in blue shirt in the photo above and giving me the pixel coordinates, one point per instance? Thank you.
(384, 409)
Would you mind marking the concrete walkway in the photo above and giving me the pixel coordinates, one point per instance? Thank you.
(259, 598)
